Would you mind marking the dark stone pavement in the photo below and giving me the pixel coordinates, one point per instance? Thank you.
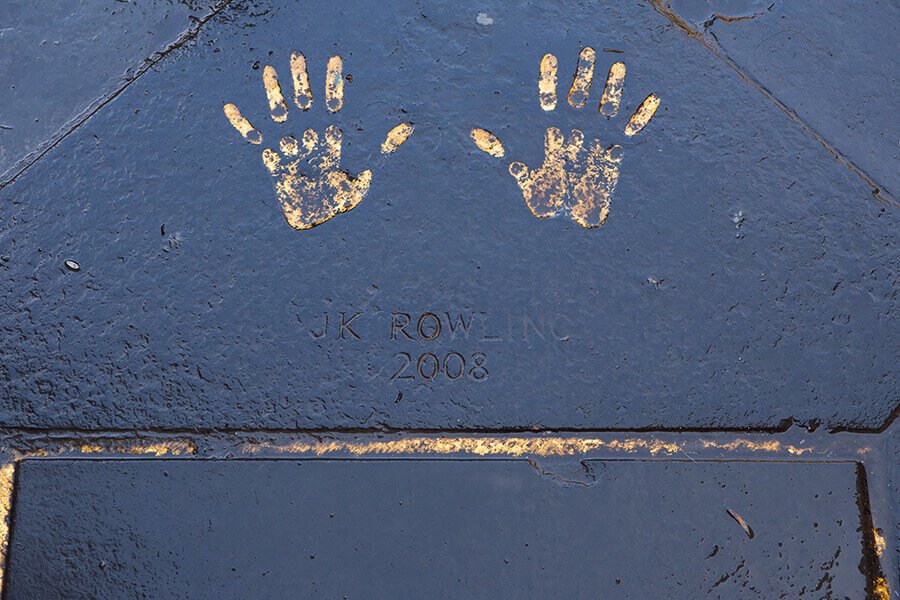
(745, 280)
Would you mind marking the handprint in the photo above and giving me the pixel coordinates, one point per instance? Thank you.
(573, 179)
(309, 182)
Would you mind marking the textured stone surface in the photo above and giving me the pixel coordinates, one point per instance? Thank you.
(427, 529)
(60, 60)
(830, 62)
(744, 277)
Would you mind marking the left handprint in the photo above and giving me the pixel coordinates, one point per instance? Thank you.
(309, 182)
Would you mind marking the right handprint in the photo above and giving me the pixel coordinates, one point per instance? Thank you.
(574, 179)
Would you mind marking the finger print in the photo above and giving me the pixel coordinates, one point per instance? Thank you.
(519, 171)
(642, 115)
(271, 159)
(547, 82)
(241, 124)
(396, 137)
(288, 145)
(612, 93)
(309, 140)
(302, 93)
(487, 142)
(553, 144)
(574, 145)
(332, 147)
(613, 154)
(277, 108)
(584, 74)
(334, 84)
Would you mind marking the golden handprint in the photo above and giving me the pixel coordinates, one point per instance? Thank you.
(309, 182)
(574, 179)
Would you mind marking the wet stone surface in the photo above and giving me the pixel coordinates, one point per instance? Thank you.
(402, 529)
(842, 50)
(277, 216)
(744, 277)
(61, 59)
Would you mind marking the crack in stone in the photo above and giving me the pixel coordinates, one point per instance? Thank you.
(734, 18)
(662, 7)
(97, 106)
(558, 478)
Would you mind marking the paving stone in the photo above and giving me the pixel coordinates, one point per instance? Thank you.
(744, 277)
(432, 528)
(62, 59)
(830, 62)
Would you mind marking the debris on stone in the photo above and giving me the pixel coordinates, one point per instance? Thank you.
(747, 529)
(738, 219)
(484, 19)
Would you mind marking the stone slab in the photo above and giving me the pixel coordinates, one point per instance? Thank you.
(61, 59)
(832, 63)
(433, 529)
(744, 277)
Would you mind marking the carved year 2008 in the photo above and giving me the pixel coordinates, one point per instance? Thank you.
(452, 366)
